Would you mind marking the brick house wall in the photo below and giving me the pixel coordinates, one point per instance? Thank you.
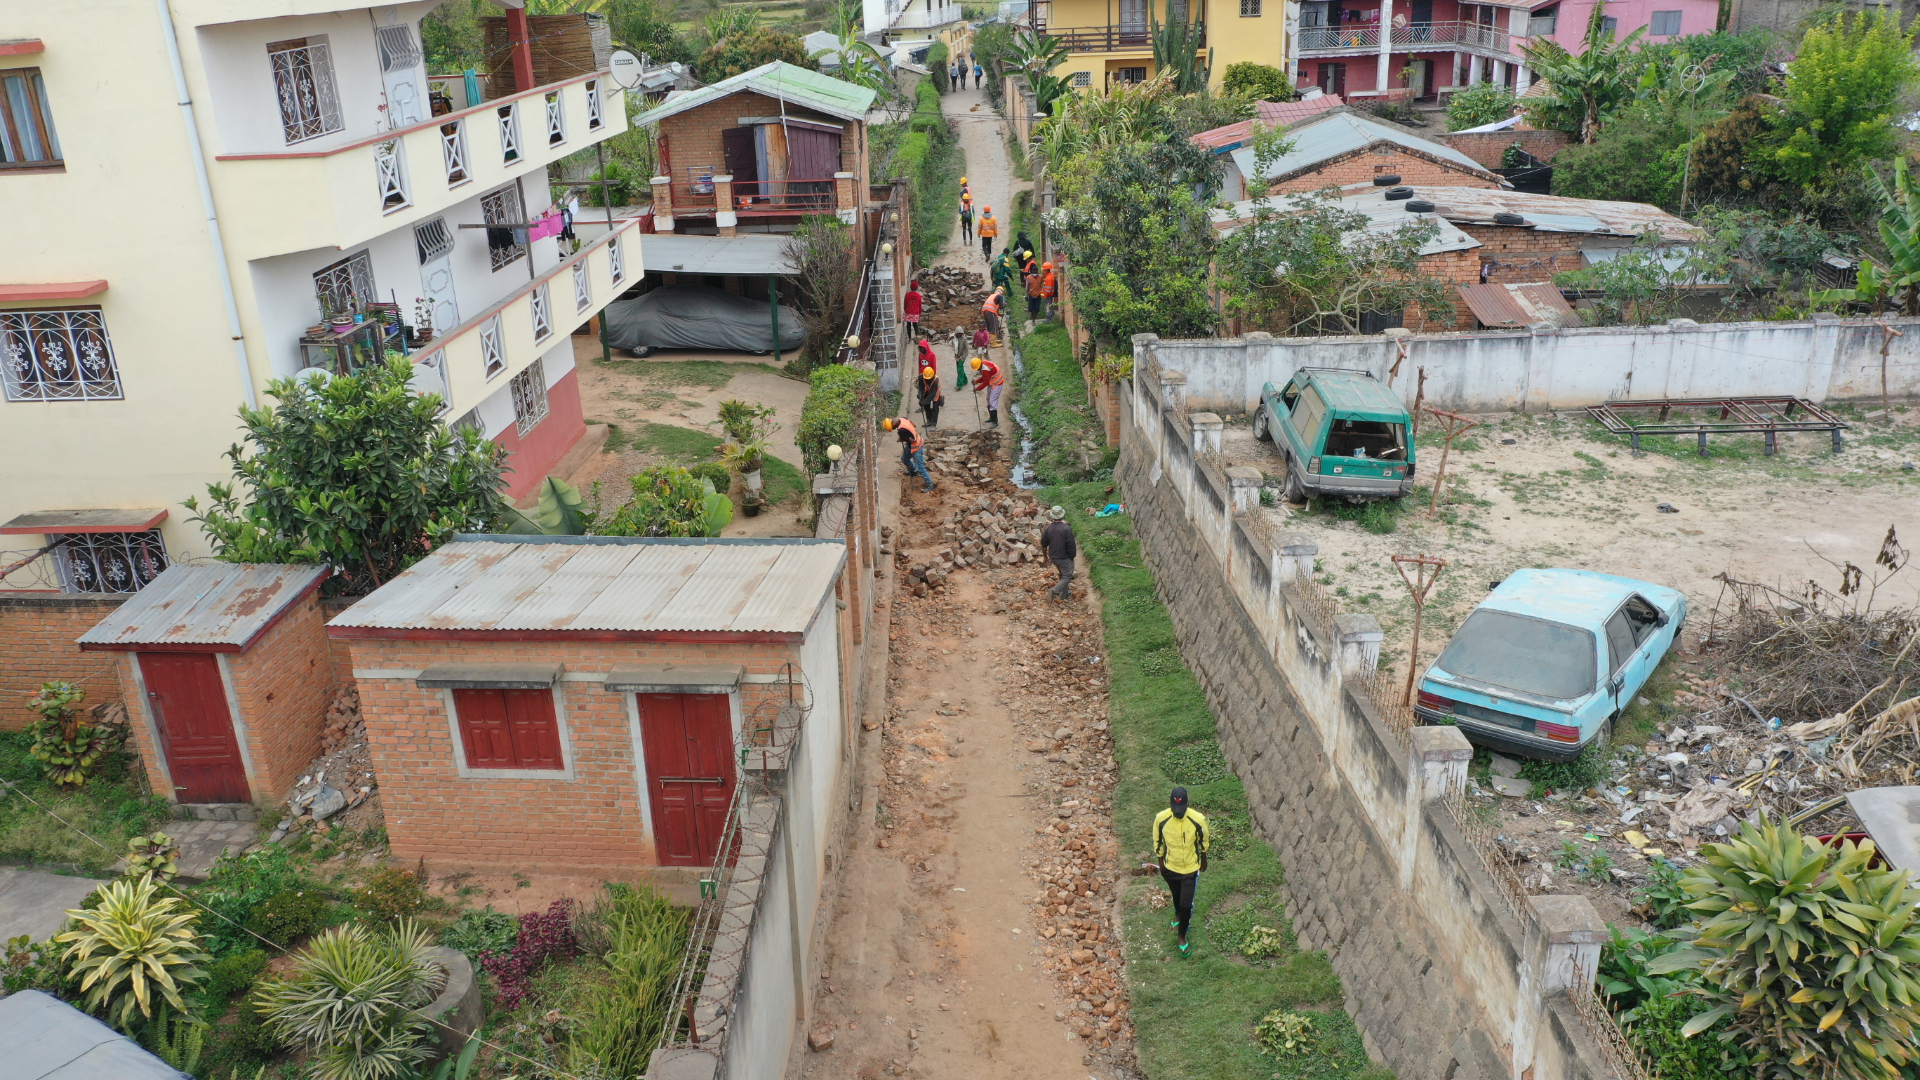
(594, 819)
(339, 655)
(1454, 268)
(1489, 148)
(1519, 255)
(1383, 159)
(37, 634)
(692, 138)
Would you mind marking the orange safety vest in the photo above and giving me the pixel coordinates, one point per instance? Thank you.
(996, 303)
(989, 226)
(1050, 288)
(1034, 286)
(914, 440)
(989, 375)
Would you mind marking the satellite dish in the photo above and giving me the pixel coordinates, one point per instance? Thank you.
(427, 379)
(626, 69)
(313, 376)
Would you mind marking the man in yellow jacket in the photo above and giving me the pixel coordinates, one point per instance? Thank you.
(1180, 842)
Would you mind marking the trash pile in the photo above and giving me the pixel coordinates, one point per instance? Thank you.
(970, 456)
(338, 786)
(949, 286)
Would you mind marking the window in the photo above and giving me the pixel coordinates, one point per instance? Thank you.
(1619, 640)
(556, 120)
(432, 239)
(493, 358)
(1130, 75)
(1083, 78)
(508, 729)
(350, 279)
(1611, 25)
(1307, 414)
(27, 139)
(1250, 9)
(453, 148)
(540, 305)
(509, 134)
(430, 377)
(469, 422)
(390, 169)
(502, 207)
(596, 117)
(582, 286)
(303, 78)
(616, 265)
(62, 355)
(530, 397)
(109, 562)
(1665, 24)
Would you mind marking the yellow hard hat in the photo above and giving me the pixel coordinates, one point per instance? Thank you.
(926, 373)
(887, 424)
(963, 179)
(974, 363)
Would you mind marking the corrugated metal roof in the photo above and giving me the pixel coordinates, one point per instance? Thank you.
(1518, 305)
(745, 254)
(1546, 213)
(1265, 113)
(794, 85)
(605, 583)
(48, 1039)
(219, 606)
(1382, 217)
(1321, 138)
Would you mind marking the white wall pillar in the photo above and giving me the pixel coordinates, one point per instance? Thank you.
(1473, 70)
(1381, 80)
(1522, 79)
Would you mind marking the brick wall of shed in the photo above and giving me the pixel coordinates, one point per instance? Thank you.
(338, 653)
(1361, 166)
(1454, 268)
(37, 634)
(1489, 148)
(594, 819)
(284, 683)
(692, 140)
(1522, 255)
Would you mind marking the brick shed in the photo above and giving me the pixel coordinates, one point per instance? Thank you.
(591, 701)
(1340, 148)
(227, 678)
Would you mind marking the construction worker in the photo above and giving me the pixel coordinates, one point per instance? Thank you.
(1029, 266)
(994, 310)
(913, 448)
(911, 306)
(988, 229)
(931, 396)
(1180, 842)
(966, 217)
(1036, 295)
(1001, 271)
(988, 376)
(1049, 288)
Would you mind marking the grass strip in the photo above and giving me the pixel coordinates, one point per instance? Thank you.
(110, 807)
(1053, 397)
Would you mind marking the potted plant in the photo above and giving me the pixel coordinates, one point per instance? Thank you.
(748, 457)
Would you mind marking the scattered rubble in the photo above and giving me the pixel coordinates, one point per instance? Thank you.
(951, 297)
(338, 786)
(969, 456)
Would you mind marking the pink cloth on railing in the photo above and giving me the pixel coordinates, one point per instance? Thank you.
(550, 225)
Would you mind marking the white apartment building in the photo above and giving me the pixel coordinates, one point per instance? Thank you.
(191, 186)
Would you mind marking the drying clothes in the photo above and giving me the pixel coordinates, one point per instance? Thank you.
(499, 239)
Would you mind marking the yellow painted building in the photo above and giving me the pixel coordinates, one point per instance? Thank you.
(187, 183)
(1111, 39)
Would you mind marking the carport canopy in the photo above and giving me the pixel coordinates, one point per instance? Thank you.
(746, 255)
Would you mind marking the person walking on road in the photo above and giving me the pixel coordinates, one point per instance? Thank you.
(978, 74)
(988, 376)
(931, 396)
(1180, 842)
(966, 219)
(988, 229)
(1036, 295)
(911, 306)
(955, 80)
(960, 340)
(1057, 540)
(913, 448)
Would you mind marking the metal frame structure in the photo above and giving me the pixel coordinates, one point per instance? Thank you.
(1767, 415)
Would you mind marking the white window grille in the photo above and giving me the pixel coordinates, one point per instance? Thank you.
(453, 148)
(582, 287)
(1665, 24)
(1083, 78)
(493, 355)
(390, 167)
(596, 119)
(303, 80)
(556, 120)
(469, 423)
(433, 238)
(502, 207)
(542, 307)
(346, 281)
(529, 389)
(509, 133)
(1250, 9)
(109, 562)
(616, 266)
(62, 355)
(398, 50)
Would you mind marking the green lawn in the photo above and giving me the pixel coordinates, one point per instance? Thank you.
(110, 807)
(675, 445)
(706, 374)
(1053, 397)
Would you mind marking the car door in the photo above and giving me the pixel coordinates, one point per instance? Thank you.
(1621, 648)
(1303, 425)
(1651, 636)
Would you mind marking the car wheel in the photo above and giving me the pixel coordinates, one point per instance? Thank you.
(643, 351)
(1294, 491)
(1603, 739)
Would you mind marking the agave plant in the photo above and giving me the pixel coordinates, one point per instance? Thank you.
(1811, 957)
(135, 946)
(353, 1002)
(153, 854)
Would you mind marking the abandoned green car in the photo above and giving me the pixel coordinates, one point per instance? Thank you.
(1342, 433)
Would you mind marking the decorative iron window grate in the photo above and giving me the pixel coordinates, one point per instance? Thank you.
(453, 148)
(350, 279)
(497, 207)
(582, 286)
(390, 168)
(509, 133)
(493, 355)
(556, 120)
(431, 378)
(398, 51)
(616, 265)
(62, 355)
(433, 239)
(541, 305)
(596, 117)
(303, 79)
(469, 423)
(529, 390)
(109, 562)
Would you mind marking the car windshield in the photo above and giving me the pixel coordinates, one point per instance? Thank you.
(1514, 652)
(1366, 439)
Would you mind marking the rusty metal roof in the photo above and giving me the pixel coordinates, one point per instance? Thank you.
(1551, 213)
(1518, 305)
(1268, 113)
(559, 586)
(212, 607)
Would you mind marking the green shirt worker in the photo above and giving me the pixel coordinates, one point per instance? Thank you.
(1180, 841)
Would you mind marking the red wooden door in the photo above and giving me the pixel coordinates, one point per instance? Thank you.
(189, 707)
(688, 740)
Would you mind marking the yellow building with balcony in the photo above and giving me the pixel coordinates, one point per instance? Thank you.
(204, 203)
(1112, 39)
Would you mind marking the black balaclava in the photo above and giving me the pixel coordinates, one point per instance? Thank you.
(1179, 802)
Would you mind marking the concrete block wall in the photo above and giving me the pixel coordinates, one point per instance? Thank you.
(37, 635)
(1447, 975)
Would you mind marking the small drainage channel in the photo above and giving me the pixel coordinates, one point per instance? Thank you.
(1022, 475)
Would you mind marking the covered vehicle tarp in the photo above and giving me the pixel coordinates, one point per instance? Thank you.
(700, 317)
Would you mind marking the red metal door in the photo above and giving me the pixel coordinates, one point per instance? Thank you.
(688, 739)
(189, 707)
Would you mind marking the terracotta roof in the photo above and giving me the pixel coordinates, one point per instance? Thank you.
(1267, 112)
(1518, 305)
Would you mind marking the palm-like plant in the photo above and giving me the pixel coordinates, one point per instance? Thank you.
(134, 947)
(1179, 48)
(1811, 957)
(1584, 85)
(1900, 231)
(728, 21)
(354, 999)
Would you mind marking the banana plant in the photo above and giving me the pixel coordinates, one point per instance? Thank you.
(1900, 231)
(560, 512)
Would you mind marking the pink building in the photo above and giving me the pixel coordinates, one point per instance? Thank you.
(1435, 47)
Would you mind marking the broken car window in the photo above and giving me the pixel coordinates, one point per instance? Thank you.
(1514, 652)
(1367, 439)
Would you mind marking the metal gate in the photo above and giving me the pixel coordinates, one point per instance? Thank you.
(885, 353)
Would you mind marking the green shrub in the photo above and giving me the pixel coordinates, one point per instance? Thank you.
(1284, 1033)
(134, 950)
(234, 972)
(67, 747)
(239, 884)
(289, 916)
(1659, 1032)
(937, 60)
(486, 930)
(1262, 81)
(624, 184)
(621, 1023)
(1476, 105)
(1583, 772)
(667, 501)
(835, 398)
(352, 1002)
(29, 965)
(390, 895)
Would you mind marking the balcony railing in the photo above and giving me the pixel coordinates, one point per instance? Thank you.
(342, 197)
(1338, 39)
(1107, 38)
(804, 196)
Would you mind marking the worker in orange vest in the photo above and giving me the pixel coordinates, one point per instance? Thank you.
(988, 376)
(1036, 295)
(913, 448)
(992, 312)
(931, 396)
(1049, 288)
(988, 229)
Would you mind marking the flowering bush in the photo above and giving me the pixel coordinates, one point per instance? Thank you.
(544, 937)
